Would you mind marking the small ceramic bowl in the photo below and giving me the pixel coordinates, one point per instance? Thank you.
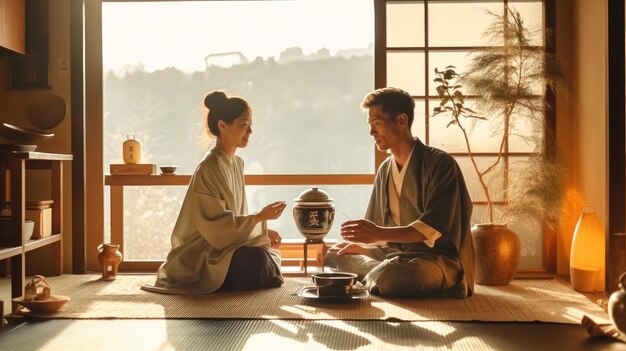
(43, 307)
(19, 135)
(334, 284)
(5, 230)
(168, 169)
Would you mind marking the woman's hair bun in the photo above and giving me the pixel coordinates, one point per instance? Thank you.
(214, 99)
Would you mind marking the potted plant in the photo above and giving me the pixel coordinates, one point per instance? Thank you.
(504, 80)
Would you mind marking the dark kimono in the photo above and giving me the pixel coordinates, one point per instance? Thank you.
(434, 192)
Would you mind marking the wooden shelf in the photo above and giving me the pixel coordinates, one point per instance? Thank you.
(13, 169)
(33, 155)
(8, 252)
(35, 244)
(140, 180)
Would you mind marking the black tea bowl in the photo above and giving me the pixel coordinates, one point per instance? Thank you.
(334, 284)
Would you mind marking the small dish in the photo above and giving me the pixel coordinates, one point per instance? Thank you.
(17, 147)
(168, 169)
(44, 307)
(311, 292)
(22, 136)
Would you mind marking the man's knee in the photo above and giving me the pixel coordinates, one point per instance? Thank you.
(395, 278)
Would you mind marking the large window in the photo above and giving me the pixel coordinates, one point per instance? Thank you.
(304, 65)
(303, 70)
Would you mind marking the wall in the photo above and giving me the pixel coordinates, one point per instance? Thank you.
(582, 118)
(13, 109)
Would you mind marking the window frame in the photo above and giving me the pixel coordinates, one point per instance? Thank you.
(93, 126)
(380, 66)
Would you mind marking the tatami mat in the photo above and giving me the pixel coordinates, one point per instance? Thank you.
(522, 300)
(300, 335)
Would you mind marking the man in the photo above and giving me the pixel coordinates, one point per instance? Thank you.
(415, 239)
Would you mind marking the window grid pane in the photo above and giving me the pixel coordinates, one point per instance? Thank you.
(450, 30)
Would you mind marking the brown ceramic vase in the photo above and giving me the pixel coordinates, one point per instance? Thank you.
(496, 254)
(110, 259)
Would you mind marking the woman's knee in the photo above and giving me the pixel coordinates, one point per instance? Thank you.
(250, 256)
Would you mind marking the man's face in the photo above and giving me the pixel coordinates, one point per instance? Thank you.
(386, 133)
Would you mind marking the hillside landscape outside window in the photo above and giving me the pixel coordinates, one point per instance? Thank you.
(303, 70)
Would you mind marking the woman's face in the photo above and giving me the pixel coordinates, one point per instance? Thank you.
(237, 133)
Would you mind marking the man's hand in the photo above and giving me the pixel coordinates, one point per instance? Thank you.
(351, 249)
(361, 231)
(274, 237)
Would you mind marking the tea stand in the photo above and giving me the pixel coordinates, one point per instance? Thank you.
(314, 212)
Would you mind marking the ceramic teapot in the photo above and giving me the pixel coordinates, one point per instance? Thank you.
(314, 212)
(110, 259)
(617, 306)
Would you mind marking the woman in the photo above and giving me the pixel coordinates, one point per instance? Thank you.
(216, 244)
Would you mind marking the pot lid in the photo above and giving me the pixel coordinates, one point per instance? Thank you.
(313, 195)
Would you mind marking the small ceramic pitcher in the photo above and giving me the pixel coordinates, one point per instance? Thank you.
(38, 289)
(617, 306)
(110, 259)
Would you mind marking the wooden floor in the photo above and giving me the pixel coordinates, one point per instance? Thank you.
(212, 334)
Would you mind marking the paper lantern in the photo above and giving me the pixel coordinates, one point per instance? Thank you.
(587, 270)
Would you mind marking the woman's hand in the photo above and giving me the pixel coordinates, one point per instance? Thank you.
(274, 237)
(271, 211)
(361, 231)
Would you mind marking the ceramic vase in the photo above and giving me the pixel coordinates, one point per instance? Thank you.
(313, 213)
(587, 253)
(110, 258)
(617, 306)
(496, 254)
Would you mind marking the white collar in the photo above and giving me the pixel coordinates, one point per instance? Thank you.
(397, 175)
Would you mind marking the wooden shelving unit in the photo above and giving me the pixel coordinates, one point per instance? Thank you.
(13, 167)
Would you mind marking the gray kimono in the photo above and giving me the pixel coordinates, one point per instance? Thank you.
(434, 192)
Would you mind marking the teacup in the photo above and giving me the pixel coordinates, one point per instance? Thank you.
(334, 284)
(168, 169)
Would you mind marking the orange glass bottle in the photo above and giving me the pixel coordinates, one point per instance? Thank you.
(131, 149)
